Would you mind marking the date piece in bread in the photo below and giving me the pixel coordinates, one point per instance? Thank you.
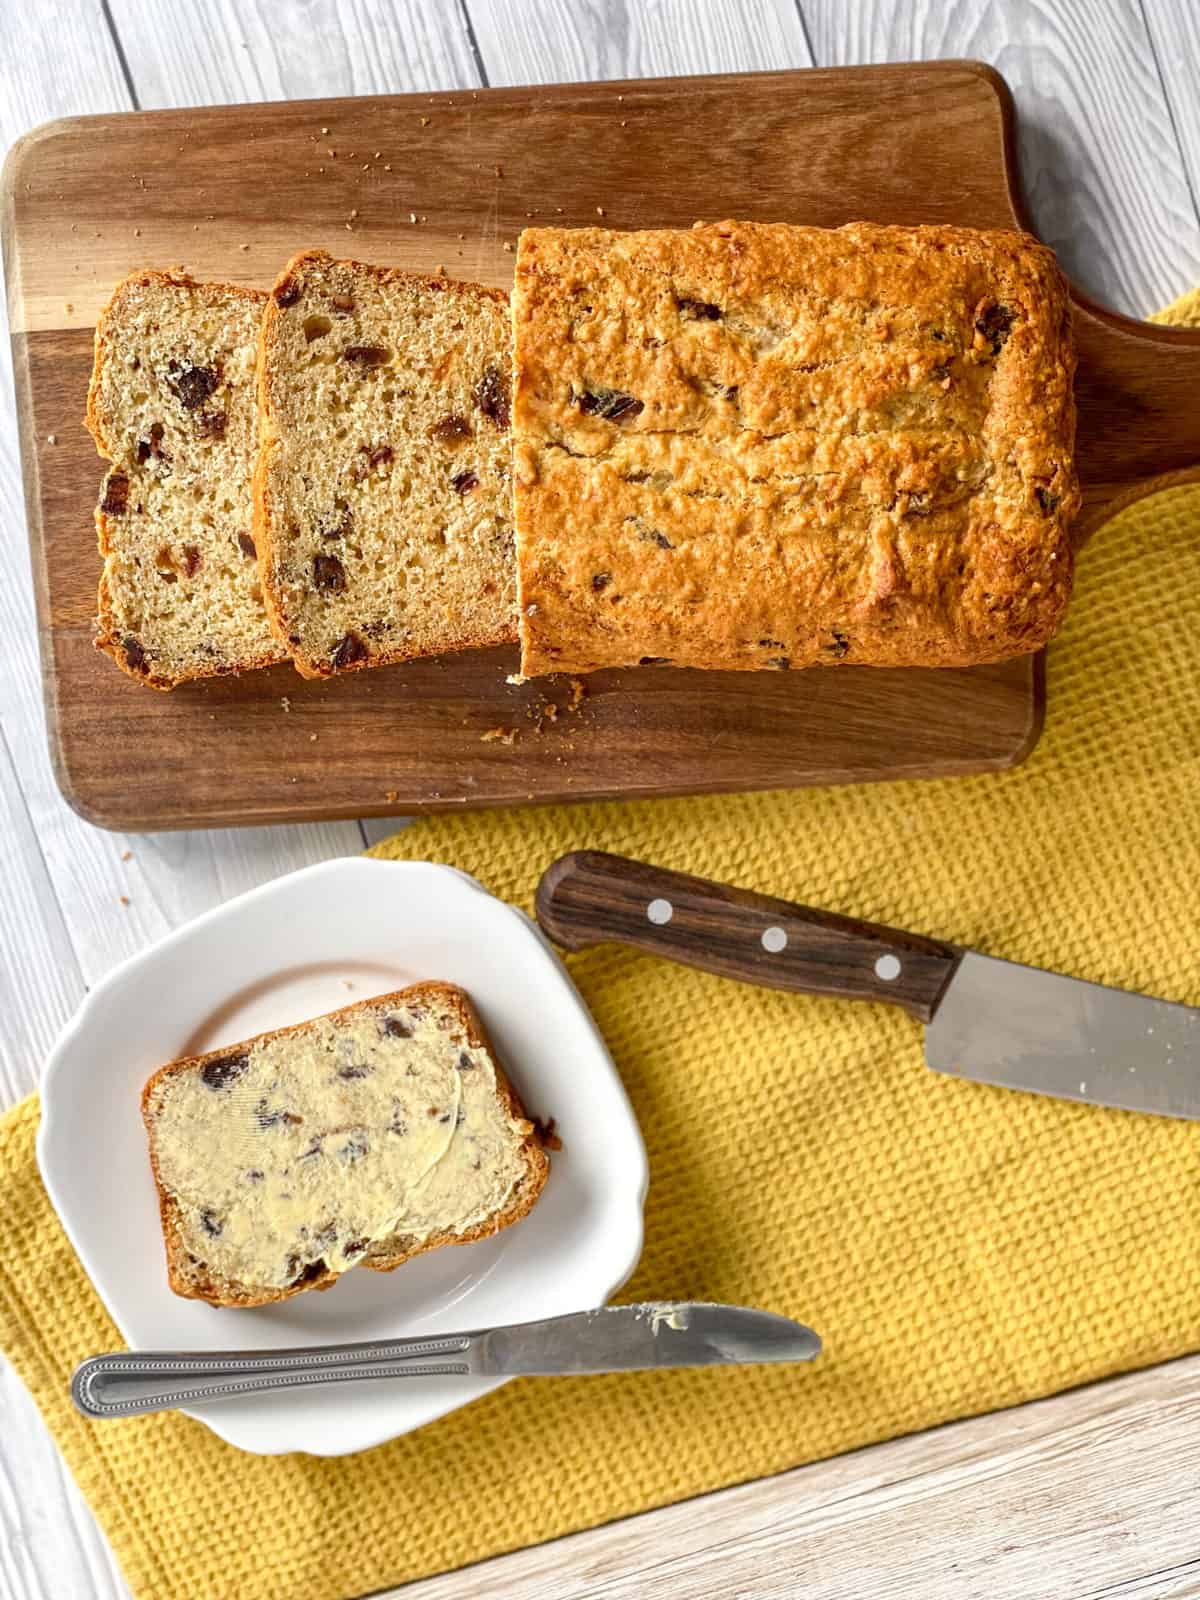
(763, 446)
(383, 498)
(360, 1138)
(172, 406)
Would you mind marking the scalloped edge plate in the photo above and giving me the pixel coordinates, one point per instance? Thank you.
(294, 948)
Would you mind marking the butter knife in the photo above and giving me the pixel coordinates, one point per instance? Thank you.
(685, 1333)
(989, 1020)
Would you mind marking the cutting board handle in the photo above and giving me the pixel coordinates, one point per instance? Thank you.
(590, 897)
(1138, 390)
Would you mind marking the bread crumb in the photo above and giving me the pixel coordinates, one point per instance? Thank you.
(499, 170)
(544, 1128)
(599, 211)
(243, 247)
(440, 270)
(126, 855)
(346, 983)
(312, 738)
(388, 166)
(412, 216)
(507, 245)
(500, 736)
(124, 899)
(285, 703)
(424, 122)
(391, 796)
(51, 438)
(325, 131)
(578, 692)
(69, 307)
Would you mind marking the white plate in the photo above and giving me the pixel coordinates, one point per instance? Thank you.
(293, 949)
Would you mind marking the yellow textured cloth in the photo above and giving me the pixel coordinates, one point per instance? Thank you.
(961, 1248)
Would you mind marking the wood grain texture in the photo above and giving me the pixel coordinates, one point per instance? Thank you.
(1175, 41)
(1105, 183)
(199, 53)
(591, 897)
(1086, 1496)
(564, 41)
(43, 982)
(453, 732)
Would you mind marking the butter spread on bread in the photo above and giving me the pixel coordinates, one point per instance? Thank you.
(362, 1137)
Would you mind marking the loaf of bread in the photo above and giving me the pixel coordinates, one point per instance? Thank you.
(172, 406)
(764, 446)
(383, 487)
(361, 1138)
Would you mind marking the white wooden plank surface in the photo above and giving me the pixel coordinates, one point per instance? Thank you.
(1089, 1495)
(1101, 166)
(235, 50)
(1174, 28)
(1082, 1496)
(562, 41)
(42, 981)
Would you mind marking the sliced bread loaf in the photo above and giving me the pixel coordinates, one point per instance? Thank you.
(172, 406)
(382, 492)
(361, 1138)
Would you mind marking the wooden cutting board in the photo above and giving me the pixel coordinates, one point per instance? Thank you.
(231, 192)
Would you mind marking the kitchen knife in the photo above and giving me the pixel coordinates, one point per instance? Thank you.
(684, 1333)
(989, 1020)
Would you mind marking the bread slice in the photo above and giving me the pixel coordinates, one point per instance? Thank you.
(172, 406)
(382, 491)
(364, 1137)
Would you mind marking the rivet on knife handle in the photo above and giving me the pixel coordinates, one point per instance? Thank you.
(590, 897)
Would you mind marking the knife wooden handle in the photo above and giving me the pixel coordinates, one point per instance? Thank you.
(590, 897)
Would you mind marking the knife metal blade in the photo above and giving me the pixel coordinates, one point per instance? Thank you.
(685, 1333)
(1022, 1028)
(988, 1020)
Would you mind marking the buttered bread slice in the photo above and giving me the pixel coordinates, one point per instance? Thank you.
(383, 497)
(361, 1138)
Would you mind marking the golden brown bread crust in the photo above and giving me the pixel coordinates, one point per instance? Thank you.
(428, 598)
(131, 653)
(757, 445)
(192, 1280)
